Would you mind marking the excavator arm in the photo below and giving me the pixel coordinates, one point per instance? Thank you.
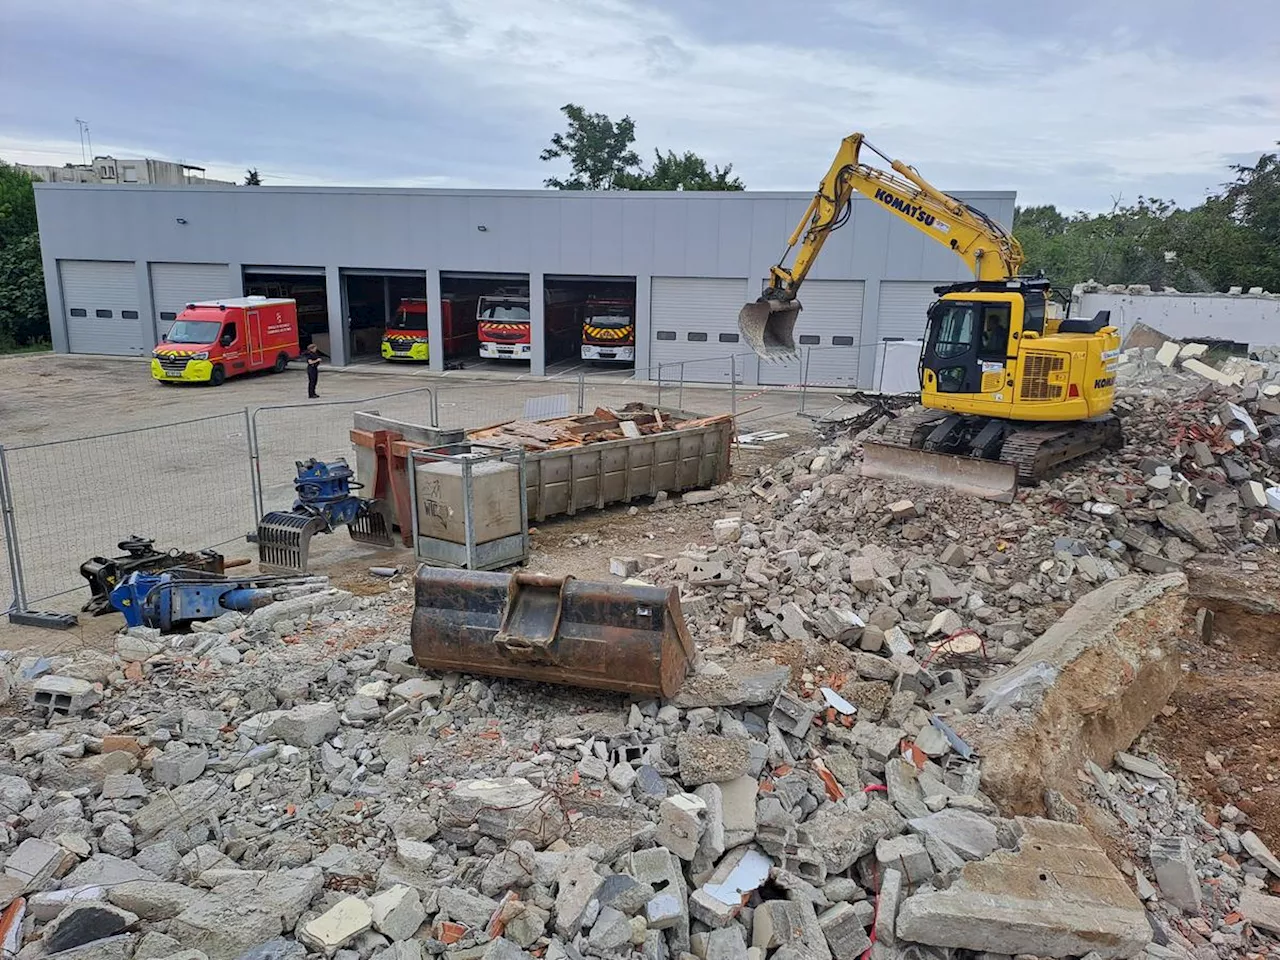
(991, 251)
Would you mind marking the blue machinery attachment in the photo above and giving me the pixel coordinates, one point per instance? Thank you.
(324, 503)
(175, 598)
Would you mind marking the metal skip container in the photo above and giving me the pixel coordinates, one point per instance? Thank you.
(610, 636)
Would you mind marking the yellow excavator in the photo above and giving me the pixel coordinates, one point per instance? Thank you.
(1010, 388)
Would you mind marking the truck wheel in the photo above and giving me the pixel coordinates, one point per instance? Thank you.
(217, 376)
(282, 361)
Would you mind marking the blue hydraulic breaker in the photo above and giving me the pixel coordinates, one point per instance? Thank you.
(176, 598)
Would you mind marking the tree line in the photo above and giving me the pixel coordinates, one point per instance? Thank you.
(24, 316)
(1232, 239)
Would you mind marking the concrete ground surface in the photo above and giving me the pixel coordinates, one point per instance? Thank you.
(172, 462)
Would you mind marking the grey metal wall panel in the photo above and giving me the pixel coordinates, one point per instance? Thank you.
(102, 285)
(697, 311)
(174, 285)
(828, 336)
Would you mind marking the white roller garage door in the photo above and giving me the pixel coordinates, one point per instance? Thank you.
(174, 285)
(902, 316)
(903, 305)
(696, 319)
(100, 300)
(829, 332)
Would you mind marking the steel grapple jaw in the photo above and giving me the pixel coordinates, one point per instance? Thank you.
(767, 326)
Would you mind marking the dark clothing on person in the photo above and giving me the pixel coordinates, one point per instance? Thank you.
(312, 356)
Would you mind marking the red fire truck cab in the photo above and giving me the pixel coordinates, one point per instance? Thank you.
(406, 337)
(609, 329)
(215, 339)
(504, 324)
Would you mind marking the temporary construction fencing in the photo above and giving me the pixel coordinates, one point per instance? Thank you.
(204, 482)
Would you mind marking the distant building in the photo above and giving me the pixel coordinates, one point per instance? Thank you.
(112, 170)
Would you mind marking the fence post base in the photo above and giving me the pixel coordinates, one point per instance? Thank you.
(40, 618)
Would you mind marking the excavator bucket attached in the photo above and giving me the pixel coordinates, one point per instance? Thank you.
(988, 479)
(610, 636)
(767, 325)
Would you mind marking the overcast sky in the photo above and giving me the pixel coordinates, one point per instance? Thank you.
(1093, 100)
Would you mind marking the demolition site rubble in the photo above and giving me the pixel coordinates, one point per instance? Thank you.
(911, 720)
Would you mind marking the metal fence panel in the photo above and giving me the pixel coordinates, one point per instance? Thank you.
(285, 434)
(185, 485)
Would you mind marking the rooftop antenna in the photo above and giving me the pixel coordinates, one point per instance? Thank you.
(84, 129)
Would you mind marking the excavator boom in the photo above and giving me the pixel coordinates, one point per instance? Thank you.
(990, 250)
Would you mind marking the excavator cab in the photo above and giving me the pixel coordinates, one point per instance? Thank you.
(969, 346)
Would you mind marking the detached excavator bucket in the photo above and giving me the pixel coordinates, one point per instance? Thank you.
(372, 524)
(284, 541)
(988, 479)
(610, 636)
(767, 326)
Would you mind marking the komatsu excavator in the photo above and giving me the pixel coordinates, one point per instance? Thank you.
(1010, 388)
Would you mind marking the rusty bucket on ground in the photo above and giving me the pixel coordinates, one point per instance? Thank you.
(611, 636)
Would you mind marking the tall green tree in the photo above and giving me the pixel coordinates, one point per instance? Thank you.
(251, 178)
(598, 150)
(17, 203)
(601, 157)
(24, 315)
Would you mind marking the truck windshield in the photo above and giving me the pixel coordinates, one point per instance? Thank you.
(407, 320)
(193, 331)
(505, 311)
(611, 320)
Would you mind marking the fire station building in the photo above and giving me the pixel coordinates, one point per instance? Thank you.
(120, 261)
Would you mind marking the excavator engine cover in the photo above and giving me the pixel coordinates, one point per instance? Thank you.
(611, 636)
(767, 326)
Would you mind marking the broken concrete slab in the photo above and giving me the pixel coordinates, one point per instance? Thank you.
(840, 836)
(710, 758)
(1057, 895)
(969, 834)
(1189, 524)
(339, 925)
(750, 685)
(1083, 691)
(1254, 846)
(1261, 910)
(1175, 871)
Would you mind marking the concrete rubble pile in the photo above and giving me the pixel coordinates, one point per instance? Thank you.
(831, 783)
(320, 795)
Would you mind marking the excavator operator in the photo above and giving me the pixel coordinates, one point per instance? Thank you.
(995, 333)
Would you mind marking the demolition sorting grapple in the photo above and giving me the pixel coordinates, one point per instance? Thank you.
(325, 502)
(140, 556)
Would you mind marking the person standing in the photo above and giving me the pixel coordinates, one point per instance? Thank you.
(313, 356)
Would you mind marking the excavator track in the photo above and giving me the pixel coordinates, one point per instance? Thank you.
(911, 428)
(1037, 451)
(1033, 451)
